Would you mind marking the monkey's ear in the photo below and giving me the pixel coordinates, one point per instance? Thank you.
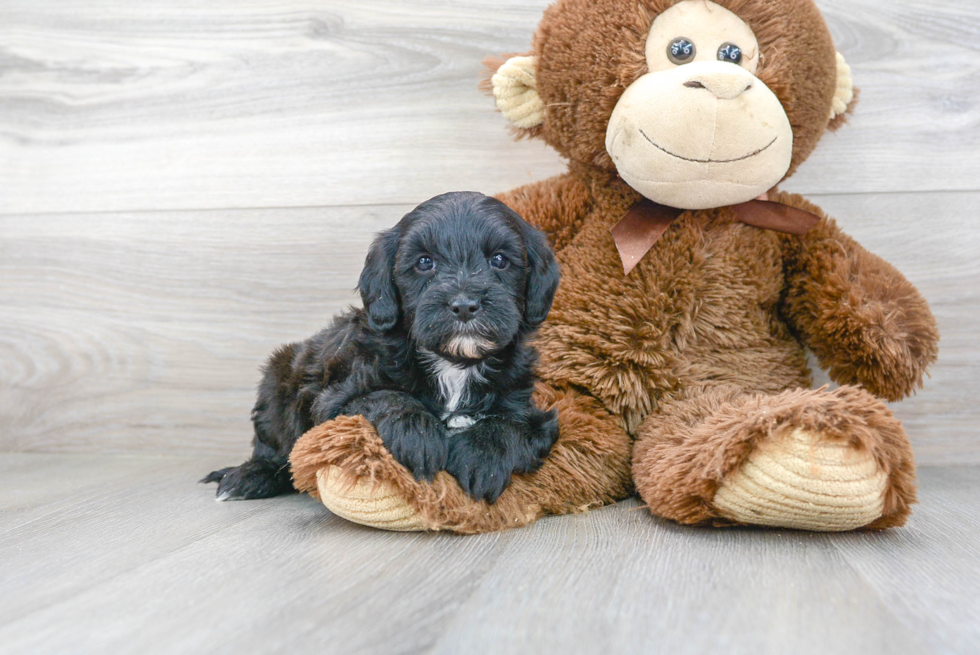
(515, 92)
(377, 281)
(845, 95)
(542, 277)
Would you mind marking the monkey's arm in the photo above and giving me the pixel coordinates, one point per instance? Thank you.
(865, 322)
(556, 206)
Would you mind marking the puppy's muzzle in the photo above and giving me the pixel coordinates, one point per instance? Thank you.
(470, 347)
(467, 342)
(465, 307)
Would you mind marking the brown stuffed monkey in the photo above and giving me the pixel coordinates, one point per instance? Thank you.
(675, 348)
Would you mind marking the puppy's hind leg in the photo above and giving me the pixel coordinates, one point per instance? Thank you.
(264, 475)
(256, 478)
(279, 418)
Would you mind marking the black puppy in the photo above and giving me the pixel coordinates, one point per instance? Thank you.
(437, 360)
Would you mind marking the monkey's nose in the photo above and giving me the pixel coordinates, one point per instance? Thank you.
(464, 307)
(723, 86)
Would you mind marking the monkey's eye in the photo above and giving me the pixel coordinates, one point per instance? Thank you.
(499, 261)
(425, 263)
(730, 53)
(681, 50)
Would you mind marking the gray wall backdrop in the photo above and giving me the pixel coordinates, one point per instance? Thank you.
(185, 185)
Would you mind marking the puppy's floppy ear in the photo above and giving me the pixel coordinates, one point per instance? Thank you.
(377, 281)
(543, 275)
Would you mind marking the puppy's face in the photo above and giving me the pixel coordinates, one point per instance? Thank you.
(463, 274)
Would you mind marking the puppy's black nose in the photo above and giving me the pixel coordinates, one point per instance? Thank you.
(464, 308)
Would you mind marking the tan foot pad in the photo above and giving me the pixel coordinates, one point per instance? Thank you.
(805, 482)
(378, 505)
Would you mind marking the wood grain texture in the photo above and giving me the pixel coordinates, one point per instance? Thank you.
(945, 606)
(144, 332)
(185, 185)
(112, 105)
(35, 486)
(148, 562)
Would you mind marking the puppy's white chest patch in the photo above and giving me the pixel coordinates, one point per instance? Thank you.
(455, 382)
(459, 421)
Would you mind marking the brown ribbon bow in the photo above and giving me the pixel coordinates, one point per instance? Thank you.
(646, 222)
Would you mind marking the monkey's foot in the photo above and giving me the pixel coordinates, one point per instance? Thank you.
(802, 480)
(806, 459)
(345, 465)
(378, 505)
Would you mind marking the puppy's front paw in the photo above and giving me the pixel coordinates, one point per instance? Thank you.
(253, 479)
(541, 436)
(480, 473)
(417, 440)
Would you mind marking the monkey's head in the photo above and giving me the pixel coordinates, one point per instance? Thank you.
(695, 104)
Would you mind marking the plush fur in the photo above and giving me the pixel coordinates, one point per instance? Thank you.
(682, 458)
(587, 467)
(699, 355)
(437, 361)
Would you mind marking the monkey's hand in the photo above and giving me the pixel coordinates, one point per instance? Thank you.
(864, 321)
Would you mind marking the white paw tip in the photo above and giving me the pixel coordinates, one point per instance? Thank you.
(458, 421)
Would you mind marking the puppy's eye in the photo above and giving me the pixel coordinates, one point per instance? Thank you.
(499, 261)
(425, 263)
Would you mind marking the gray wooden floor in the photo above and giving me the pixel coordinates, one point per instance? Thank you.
(128, 555)
(185, 185)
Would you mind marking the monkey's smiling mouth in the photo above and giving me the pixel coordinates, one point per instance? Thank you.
(707, 161)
